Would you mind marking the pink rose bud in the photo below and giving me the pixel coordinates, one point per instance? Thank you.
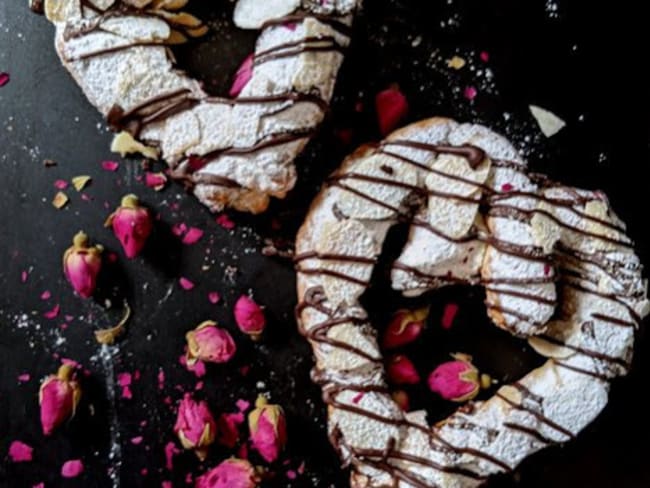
(458, 380)
(391, 106)
(243, 76)
(402, 399)
(81, 265)
(249, 317)
(58, 397)
(195, 426)
(209, 343)
(404, 327)
(401, 371)
(131, 224)
(231, 473)
(268, 428)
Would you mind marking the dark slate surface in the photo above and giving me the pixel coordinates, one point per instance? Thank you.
(582, 63)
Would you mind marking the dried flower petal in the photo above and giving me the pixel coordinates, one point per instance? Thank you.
(80, 182)
(224, 221)
(192, 236)
(448, 315)
(4, 79)
(456, 62)
(19, 452)
(391, 106)
(185, 283)
(157, 181)
(110, 165)
(60, 184)
(549, 123)
(214, 297)
(243, 76)
(60, 200)
(72, 468)
(470, 93)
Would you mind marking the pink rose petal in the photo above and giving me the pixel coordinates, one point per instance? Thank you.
(136, 440)
(72, 468)
(110, 165)
(243, 405)
(470, 93)
(23, 276)
(50, 314)
(179, 229)
(4, 79)
(391, 107)
(185, 283)
(485, 56)
(243, 76)
(224, 221)
(161, 379)
(156, 181)
(170, 451)
(291, 474)
(24, 378)
(506, 187)
(19, 452)
(166, 484)
(448, 315)
(214, 297)
(198, 368)
(61, 184)
(39, 485)
(193, 236)
(46, 295)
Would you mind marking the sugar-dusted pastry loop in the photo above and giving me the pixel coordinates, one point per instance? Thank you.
(235, 152)
(557, 267)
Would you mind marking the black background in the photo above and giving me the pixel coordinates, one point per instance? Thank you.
(582, 60)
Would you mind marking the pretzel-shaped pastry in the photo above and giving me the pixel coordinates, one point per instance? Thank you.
(477, 217)
(235, 152)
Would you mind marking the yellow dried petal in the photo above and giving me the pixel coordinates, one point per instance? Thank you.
(124, 143)
(60, 200)
(80, 182)
(456, 62)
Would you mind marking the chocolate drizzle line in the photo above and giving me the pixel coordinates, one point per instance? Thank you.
(493, 203)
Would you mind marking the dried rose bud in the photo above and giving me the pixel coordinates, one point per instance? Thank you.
(131, 224)
(249, 317)
(81, 265)
(391, 106)
(402, 399)
(209, 343)
(58, 397)
(458, 380)
(231, 473)
(268, 429)
(405, 327)
(401, 371)
(195, 426)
